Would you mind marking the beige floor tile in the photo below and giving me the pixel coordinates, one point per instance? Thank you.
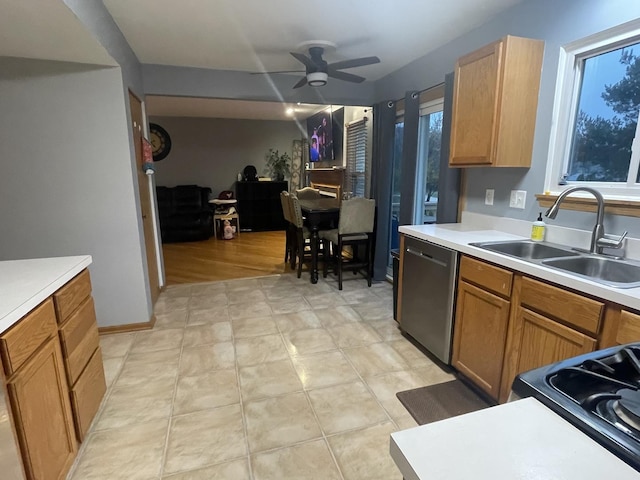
(291, 305)
(246, 296)
(208, 288)
(196, 335)
(411, 354)
(176, 319)
(257, 350)
(279, 422)
(167, 304)
(175, 291)
(268, 380)
(324, 369)
(205, 438)
(211, 315)
(345, 407)
(380, 310)
(203, 359)
(297, 321)
(234, 470)
(247, 310)
(132, 405)
(243, 284)
(332, 317)
(112, 367)
(364, 454)
(116, 345)
(207, 302)
(434, 374)
(385, 387)
(353, 335)
(387, 329)
(305, 342)
(405, 422)
(361, 295)
(325, 300)
(307, 461)
(305, 287)
(155, 340)
(132, 453)
(207, 390)
(376, 359)
(282, 292)
(253, 327)
(141, 369)
(275, 281)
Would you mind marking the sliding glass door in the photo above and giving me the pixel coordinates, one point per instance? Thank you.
(428, 166)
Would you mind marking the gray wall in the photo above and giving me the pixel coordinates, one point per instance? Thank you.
(211, 151)
(67, 184)
(557, 23)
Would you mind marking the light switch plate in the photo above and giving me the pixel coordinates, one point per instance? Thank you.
(518, 199)
(488, 196)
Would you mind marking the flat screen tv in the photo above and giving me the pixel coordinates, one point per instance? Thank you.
(319, 130)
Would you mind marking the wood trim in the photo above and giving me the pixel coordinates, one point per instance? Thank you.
(610, 326)
(128, 327)
(513, 344)
(400, 272)
(628, 208)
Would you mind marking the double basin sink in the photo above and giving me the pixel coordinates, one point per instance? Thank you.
(609, 271)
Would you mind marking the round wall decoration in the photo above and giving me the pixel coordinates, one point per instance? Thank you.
(160, 141)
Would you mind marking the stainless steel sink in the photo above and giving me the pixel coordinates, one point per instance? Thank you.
(527, 249)
(609, 271)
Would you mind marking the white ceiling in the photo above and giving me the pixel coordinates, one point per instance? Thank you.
(256, 35)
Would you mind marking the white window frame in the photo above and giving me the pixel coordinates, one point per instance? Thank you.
(565, 104)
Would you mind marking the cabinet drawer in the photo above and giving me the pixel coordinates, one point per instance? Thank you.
(24, 338)
(629, 330)
(79, 338)
(72, 294)
(570, 308)
(87, 394)
(490, 277)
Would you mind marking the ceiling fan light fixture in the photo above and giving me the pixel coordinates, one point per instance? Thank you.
(317, 79)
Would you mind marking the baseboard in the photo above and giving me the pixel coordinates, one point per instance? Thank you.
(128, 327)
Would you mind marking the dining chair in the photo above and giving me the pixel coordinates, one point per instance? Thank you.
(355, 229)
(308, 193)
(289, 254)
(302, 248)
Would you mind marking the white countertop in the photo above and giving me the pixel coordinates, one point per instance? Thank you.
(26, 283)
(457, 236)
(519, 440)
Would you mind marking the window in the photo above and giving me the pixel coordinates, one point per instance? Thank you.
(357, 157)
(428, 167)
(597, 109)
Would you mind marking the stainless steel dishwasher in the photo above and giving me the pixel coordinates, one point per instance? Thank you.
(428, 295)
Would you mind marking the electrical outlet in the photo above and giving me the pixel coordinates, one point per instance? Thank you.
(518, 199)
(488, 196)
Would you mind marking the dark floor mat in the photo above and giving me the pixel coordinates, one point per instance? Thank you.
(440, 401)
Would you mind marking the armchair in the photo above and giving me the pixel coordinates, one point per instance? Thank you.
(184, 213)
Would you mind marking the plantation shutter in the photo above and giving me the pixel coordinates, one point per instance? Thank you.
(356, 157)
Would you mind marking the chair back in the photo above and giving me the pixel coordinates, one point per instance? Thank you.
(286, 206)
(308, 193)
(357, 216)
(296, 211)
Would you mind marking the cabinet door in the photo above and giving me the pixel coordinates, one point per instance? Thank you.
(475, 103)
(40, 402)
(479, 336)
(541, 341)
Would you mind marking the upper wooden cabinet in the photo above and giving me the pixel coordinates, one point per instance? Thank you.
(494, 104)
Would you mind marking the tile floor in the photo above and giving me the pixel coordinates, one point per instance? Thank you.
(264, 378)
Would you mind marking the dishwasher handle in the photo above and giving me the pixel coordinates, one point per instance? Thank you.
(426, 256)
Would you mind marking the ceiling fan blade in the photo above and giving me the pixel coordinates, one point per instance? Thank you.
(349, 77)
(279, 71)
(303, 59)
(354, 62)
(301, 83)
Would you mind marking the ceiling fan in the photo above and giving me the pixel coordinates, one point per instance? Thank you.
(317, 70)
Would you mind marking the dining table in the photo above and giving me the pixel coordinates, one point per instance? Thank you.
(319, 213)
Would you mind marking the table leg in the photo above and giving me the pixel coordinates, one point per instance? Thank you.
(314, 254)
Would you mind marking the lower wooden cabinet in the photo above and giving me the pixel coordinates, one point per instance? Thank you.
(479, 337)
(42, 414)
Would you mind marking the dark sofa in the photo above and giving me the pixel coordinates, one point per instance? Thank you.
(184, 213)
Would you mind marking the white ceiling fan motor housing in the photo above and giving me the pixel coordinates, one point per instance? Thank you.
(317, 79)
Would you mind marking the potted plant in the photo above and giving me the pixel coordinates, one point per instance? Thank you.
(278, 165)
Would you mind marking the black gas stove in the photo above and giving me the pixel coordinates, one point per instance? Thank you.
(598, 392)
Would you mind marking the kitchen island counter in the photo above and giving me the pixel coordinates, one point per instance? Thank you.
(522, 439)
(24, 284)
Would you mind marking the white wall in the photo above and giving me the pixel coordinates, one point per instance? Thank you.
(210, 152)
(66, 179)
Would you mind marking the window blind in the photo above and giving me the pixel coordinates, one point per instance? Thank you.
(357, 157)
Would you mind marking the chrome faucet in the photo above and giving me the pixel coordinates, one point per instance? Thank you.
(599, 239)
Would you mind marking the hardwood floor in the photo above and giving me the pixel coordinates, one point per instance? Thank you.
(250, 254)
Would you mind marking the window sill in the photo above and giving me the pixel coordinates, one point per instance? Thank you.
(613, 206)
